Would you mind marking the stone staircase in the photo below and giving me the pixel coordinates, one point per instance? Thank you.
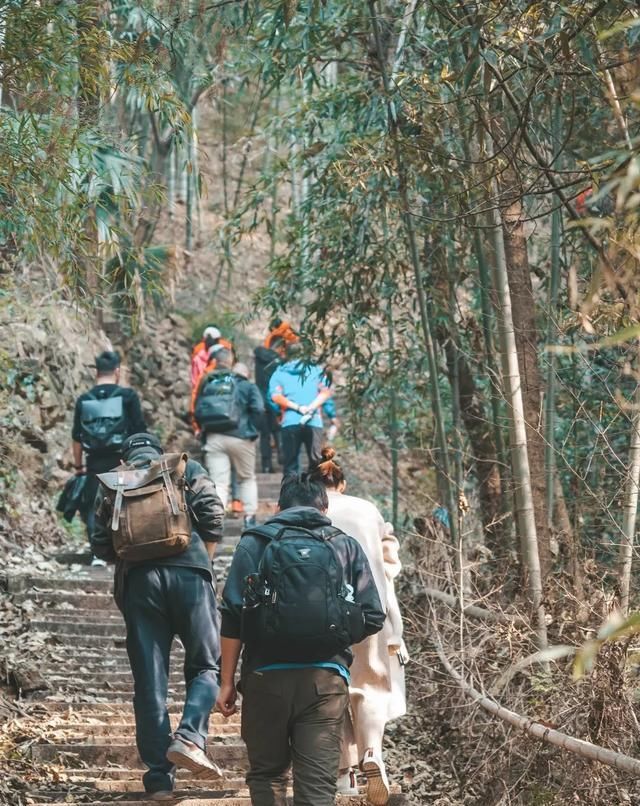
(85, 714)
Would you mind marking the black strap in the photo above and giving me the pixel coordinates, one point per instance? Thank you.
(276, 531)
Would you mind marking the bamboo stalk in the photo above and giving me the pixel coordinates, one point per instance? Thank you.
(630, 508)
(519, 456)
(554, 286)
(580, 747)
(225, 179)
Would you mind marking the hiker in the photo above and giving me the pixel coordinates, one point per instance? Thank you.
(267, 360)
(299, 593)
(229, 411)
(103, 418)
(377, 688)
(210, 345)
(200, 355)
(279, 330)
(164, 588)
(300, 391)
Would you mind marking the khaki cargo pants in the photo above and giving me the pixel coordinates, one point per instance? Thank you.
(293, 718)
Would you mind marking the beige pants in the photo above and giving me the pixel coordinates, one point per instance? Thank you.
(223, 451)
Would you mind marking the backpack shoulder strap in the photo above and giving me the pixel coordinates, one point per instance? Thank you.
(329, 532)
(268, 531)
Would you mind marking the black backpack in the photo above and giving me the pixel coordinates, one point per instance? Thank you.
(103, 422)
(217, 407)
(298, 607)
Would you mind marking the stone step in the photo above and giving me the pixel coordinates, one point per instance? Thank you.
(65, 600)
(118, 679)
(79, 615)
(228, 755)
(110, 779)
(220, 799)
(101, 696)
(59, 625)
(99, 734)
(106, 711)
(224, 549)
(185, 782)
(99, 580)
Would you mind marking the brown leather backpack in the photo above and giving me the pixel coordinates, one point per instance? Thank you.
(149, 513)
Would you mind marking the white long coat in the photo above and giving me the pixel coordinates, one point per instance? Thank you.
(377, 677)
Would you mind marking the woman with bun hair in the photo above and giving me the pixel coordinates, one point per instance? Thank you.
(377, 690)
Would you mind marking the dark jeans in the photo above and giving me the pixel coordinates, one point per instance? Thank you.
(269, 428)
(88, 510)
(293, 438)
(159, 603)
(293, 718)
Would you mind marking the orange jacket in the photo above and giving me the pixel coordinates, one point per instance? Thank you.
(202, 365)
(283, 331)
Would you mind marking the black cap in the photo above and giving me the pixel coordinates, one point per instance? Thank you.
(139, 444)
(107, 362)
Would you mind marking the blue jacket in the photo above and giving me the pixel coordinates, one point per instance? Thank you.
(300, 384)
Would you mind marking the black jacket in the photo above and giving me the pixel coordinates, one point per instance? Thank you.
(134, 422)
(207, 519)
(266, 361)
(247, 558)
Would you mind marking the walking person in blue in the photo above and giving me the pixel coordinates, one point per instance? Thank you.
(300, 391)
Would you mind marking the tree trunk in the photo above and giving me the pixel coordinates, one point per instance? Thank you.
(526, 339)
(524, 494)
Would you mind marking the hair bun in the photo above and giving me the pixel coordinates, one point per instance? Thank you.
(328, 453)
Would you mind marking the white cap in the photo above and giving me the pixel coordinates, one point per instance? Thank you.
(211, 332)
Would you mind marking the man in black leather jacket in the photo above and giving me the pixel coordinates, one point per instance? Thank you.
(160, 599)
(292, 712)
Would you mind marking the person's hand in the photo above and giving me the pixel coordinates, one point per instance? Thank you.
(226, 702)
(80, 470)
(333, 429)
(303, 410)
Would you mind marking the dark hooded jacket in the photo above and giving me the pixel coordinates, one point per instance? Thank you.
(207, 516)
(267, 362)
(247, 558)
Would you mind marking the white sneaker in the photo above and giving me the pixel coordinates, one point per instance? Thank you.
(377, 781)
(347, 784)
(96, 562)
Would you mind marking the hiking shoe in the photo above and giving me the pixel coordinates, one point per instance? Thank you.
(191, 757)
(249, 521)
(96, 562)
(347, 784)
(377, 782)
(163, 794)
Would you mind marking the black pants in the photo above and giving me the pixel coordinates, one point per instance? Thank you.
(293, 437)
(161, 602)
(293, 718)
(269, 429)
